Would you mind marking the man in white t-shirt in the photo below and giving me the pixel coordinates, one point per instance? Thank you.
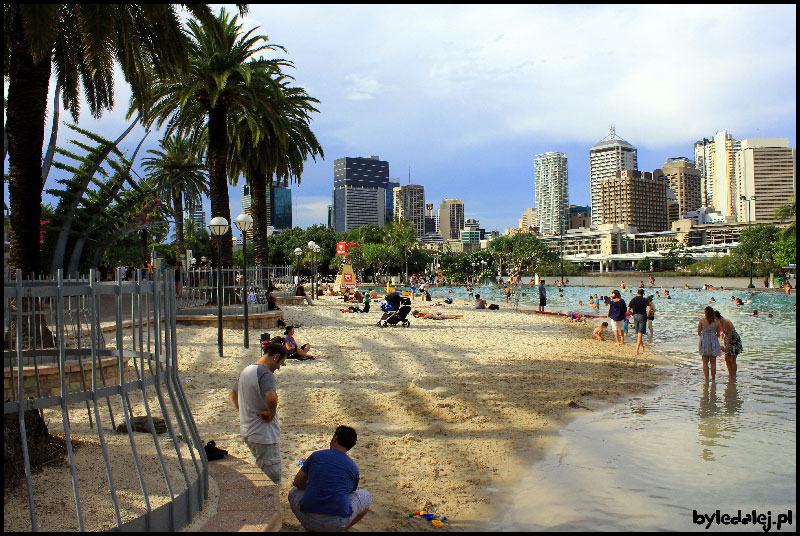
(256, 399)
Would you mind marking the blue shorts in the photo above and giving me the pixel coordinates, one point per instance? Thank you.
(640, 323)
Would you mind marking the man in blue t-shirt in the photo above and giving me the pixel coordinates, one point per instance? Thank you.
(325, 496)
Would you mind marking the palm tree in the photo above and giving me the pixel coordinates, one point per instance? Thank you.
(400, 235)
(278, 146)
(223, 79)
(787, 212)
(178, 165)
(82, 43)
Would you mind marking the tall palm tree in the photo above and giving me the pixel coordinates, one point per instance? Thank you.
(401, 235)
(788, 212)
(82, 43)
(223, 79)
(277, 146)
(178, 165)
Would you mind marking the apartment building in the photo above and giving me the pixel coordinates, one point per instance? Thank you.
(634, 199)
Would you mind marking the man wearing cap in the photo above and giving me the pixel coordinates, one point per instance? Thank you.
(256, 399)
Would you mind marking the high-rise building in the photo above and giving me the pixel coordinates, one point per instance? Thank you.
(389, 211)
(279, 206)
(766, 171)
(451, 218)
(634, 199)
(195, 213)
(608, 157)
(685, 182)
(409, 204)
(673, 207)
(355, 207)
(580, 217)
(714, 158)
(360, 175)
(528, 220)
(552, 201)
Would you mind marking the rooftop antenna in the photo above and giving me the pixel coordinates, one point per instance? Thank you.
(409, 175)
(611, 133)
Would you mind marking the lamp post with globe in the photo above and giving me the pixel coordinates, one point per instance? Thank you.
(314, 250)
(219, 227)
(298, 252)
(244, 222)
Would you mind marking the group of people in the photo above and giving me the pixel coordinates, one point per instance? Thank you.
(640, 311)
(709, 329)
(325, 495)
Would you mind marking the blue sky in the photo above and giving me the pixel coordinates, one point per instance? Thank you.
(466, 96)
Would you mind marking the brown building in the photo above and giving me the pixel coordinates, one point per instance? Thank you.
(635, 199)
(579, 217)
(684, 179)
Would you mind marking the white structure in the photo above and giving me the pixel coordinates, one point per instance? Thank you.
(552, 201)
(714, 157)
(409, 205)
(451, 219)
(704, 215)
(608, 156)
(195, 212)
(765, 173)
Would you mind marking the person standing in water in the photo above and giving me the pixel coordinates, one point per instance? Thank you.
(708, 331)
(731, 343)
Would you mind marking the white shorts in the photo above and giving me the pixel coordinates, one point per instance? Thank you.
(617, 325)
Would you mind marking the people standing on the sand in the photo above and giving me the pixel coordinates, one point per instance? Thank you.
(325, 496)
(638, 307)
(708, 331)
(616, 312)
(256, 399)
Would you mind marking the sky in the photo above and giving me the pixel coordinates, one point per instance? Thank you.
(464, 97)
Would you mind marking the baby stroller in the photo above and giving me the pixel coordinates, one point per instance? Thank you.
(395, 311)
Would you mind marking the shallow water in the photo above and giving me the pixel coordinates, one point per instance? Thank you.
(647, 463)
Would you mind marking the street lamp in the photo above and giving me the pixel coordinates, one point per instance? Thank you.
(314, 250)
(297, 253)
(748, 199)
(245, 222)
(219, 226)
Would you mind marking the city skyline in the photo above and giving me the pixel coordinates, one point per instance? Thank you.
(468, 116)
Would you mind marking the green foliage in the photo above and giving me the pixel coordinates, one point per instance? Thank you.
(724, 266)
(643, 265)
(758, 245)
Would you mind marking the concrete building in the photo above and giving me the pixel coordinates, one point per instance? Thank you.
(431, 219)
(766, 171)
(355, 207)
(705, 215)
(360, 174)
(684, 180)
(393, 183)
(552, 201)
(451, 219)
(528, 220)
(634, 199)
(279, 207)
(409, 205)
(470, 236)
(714, 157)
(580, 217)
(195, 213)
(606, 158)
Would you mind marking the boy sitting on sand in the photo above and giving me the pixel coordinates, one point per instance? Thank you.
(598, 331)
(325, 496)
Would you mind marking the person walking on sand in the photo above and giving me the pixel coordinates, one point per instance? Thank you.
(731, 343)
(708, 331)
(325, 496)
(542, 295)
(256, 399)
(616, 312)
(638, 308)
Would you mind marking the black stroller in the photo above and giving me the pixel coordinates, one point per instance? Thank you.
(395, 311)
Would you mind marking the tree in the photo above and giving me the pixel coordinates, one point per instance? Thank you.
(82, 43)
(223, 80)
(500, 248)
(788, 212)
(528, 252)
(177, 169)
(400, 235)
(758, 244)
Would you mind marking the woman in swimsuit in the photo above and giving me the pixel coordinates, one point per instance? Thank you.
(708, 330)
(731, 343)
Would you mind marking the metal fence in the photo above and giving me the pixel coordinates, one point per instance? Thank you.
(198, 287)
(58, 362)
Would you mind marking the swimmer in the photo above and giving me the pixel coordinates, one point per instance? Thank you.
(712, 300)
(755, 312)
(580, 302)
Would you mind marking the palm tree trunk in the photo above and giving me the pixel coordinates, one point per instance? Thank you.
(143, 245)
(177, 202)
(25, 115)
(258, 192)
(218, 181)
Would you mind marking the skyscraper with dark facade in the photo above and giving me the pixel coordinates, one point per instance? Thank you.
(361, 192)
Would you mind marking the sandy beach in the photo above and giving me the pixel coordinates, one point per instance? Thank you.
(443, 409)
